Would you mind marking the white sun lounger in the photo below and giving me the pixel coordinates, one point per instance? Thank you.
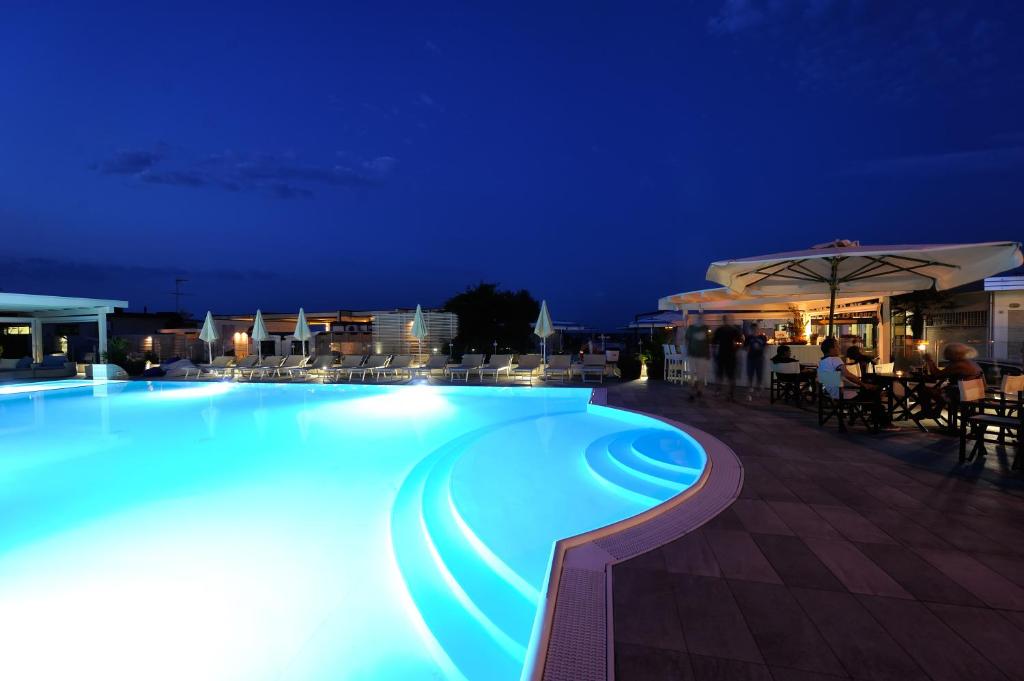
(559, 367)
(217, 367)
(399, 364)
(496, 365)
(469, 363)
(593, 365)
(372, 362)
(527, 368)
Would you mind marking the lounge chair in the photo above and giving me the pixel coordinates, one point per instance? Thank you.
(292, 365)
(558, 367)
(432, 365)
(399, 364)
(239, 368)
(320, 367)
(593, 365)
(264, 368)
(218, 367)
(347, 363)
(372, 362)
(469, 363)
(495, 365)
(527, 368)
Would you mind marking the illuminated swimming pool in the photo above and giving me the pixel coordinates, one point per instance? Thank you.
(238, 531)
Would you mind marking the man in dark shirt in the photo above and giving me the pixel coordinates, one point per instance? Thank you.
(755, 343)
(727, 340)
(698, 355)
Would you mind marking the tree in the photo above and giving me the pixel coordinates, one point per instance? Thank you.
(487, 315)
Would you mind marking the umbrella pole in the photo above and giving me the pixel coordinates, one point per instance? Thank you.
(209, 351)
(833, 286)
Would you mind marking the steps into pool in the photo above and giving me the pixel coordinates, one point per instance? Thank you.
(478, 609)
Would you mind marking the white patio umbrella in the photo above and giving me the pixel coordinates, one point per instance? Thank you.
(209, 334)
(543, 328)
(302, 330)
(419, 328)
(259, 334)
(850, 267)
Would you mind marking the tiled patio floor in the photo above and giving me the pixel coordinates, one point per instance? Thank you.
(858, 556)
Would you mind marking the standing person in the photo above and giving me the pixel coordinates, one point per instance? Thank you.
(755, 343)
(727, 339)
(698, 354)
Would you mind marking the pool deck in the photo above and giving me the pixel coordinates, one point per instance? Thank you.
(846, 556)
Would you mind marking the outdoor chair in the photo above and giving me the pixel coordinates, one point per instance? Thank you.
(469, 363)
(785, 383)
(246, 364)
(495, 366)
(399, 364)
(436, 363)
(1006, 418)
(528, 367)
(320, 367)
(846, 407)
(347, 364)
(217, 367)
(267, 367)
(593, 365)
(884, 368)
(559, 367)
(674, 363)
(292, 365)
(372, 363)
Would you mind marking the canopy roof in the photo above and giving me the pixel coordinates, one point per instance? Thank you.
(851, 267)
(721, 298)
(55, 306)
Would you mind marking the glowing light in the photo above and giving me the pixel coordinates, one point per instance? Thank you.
(192, 392)
(921, 347)
(415, 400)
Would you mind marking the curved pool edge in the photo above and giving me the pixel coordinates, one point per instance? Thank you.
(573, 636)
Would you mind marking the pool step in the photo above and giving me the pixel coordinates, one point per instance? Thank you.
(625, 451)
(476, 608)
(611, 461)
(664, 448)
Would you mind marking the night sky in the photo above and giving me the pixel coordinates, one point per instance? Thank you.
(370, 154)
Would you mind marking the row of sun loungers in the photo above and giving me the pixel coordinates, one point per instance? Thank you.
(380, 367)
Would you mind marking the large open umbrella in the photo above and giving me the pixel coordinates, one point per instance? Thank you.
(419, 328)
(302, 330)
(259, 334)
(209, 334)
(543, 328)
(848, 266)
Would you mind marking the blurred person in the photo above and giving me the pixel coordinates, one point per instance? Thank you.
(868, 392)
(784, 355)
(960, 366)
(727, 339)
(754, 343)
(698, 353)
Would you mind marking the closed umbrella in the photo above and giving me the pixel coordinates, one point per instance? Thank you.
(419, 328)
(543, 328)
(850, 267)
(302, 330)
(259, 334)
(209, 334)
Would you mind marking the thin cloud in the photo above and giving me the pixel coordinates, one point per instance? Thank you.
(279, 176)
(956, 163)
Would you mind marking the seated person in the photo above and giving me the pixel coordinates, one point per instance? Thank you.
(784, 355)
(855, 355)
(960, 366)
(867, 393)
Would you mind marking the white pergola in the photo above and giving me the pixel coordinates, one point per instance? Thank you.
(34, 310)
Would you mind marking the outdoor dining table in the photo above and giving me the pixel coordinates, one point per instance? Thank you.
(900, 407)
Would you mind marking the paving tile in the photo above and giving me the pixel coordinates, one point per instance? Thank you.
(643, 663)
(784, 674)
(892, 496)
(917, 576)
(992, 588)
(1011, 567)
(758, 517)
(803, 519)
(726, 520)
(691, 554)
(795, 563)
(644, 609)
(652, 560)
(952, 530)
(719, 669)
(784, 633)
(857, 572)
(903, 529)
(936, 648)
(739, 557)
(990, 633)
(866, 650)
(812, 493)
(712, 622)
(853, 525)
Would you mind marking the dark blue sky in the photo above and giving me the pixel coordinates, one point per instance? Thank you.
(598, 154)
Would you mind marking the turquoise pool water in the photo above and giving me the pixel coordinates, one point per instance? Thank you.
(236, 531)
